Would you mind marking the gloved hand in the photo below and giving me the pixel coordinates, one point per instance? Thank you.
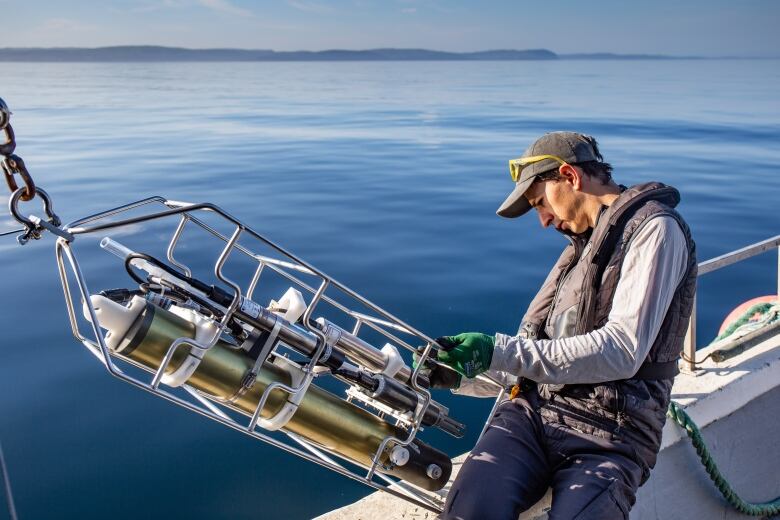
(468, 353)
(439, 376)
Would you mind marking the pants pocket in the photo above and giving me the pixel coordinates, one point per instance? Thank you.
(613, 503)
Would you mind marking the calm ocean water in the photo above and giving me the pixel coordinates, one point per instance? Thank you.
(384, 175)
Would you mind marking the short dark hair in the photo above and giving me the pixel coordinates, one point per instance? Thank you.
(596, 169)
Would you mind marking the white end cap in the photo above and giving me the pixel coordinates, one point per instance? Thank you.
(113, 317)
(294, 304)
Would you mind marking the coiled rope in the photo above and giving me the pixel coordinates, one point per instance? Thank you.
(757, 316)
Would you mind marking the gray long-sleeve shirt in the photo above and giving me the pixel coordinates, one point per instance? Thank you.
(653, 268)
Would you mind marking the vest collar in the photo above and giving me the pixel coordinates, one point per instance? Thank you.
(628, 199)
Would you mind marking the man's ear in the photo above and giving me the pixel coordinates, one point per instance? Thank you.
(572, 175)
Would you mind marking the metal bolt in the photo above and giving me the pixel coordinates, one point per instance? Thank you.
(433, 471)
(399, 455)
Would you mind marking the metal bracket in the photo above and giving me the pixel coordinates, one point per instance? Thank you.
(48, 226)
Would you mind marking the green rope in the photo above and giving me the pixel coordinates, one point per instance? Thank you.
(761, 308)
(762, 509)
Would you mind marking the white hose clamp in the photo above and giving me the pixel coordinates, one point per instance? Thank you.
(205, 330)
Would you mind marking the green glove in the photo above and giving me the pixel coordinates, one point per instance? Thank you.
(439, 376)
(468, 353)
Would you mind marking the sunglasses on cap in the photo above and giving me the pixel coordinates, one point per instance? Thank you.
(517, 165)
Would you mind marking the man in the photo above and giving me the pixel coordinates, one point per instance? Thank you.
(597, 349)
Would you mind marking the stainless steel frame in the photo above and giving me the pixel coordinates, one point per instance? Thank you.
(380, 321)
(708, 266)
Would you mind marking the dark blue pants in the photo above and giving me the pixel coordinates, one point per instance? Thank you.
(520, 456)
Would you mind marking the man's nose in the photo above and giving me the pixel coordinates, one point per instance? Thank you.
(545, 218)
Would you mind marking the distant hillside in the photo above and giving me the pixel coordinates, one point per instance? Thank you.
(147, 53)
(154, 53)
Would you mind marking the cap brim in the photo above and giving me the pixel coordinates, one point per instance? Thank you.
(516, 204)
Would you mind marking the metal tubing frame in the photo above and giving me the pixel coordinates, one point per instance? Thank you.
(100, 350)
(713, 264)
(172, 246)
(208, 409)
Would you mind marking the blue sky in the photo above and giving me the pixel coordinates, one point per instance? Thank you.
(693, 27)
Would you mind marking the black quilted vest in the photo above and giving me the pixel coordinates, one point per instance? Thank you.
(576, 298)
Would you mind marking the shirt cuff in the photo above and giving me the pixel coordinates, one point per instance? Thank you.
(501, 352)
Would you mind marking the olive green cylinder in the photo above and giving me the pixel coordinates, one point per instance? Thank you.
(321, 417)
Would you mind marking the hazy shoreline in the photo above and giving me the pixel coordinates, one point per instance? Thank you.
(148, 53)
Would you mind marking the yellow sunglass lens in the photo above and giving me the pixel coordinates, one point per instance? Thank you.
(517, 165)
(514, 170)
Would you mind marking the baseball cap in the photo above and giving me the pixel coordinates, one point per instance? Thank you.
(547, 153)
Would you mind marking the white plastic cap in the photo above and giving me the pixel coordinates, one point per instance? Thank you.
(114, 317)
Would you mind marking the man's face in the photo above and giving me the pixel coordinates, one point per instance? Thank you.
(558, 204)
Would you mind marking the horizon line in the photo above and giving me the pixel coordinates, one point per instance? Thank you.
(396, 53)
